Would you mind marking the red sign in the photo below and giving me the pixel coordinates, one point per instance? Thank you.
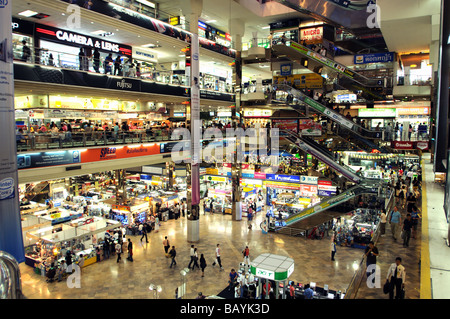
(325, 183)
(120, 152)
(402, 145)
(260, 175)
(422, 145)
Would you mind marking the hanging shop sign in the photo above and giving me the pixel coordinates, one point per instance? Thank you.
(152, 170)
(286, 69)
(345, 98)
(413, 111)
(282, 185)
(374, 58)
(422, 145)
(121, 207)
(311, 35)
(388, 112)
(212, 171)
(217, 179)
(324, 183)
(283, 178)
(309, 179)
(76, 39)
(308, 190)
(259, 175)
(257, 113)
(325, 190)
(405, 145)
(144, 55)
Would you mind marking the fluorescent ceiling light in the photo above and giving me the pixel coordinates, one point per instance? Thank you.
(147, 3)
(150, 45)
(27, 13)
(268, 27)
(211, 21)
(98, 32)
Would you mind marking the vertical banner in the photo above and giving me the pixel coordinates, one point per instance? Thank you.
(10, 223)
(195, 120)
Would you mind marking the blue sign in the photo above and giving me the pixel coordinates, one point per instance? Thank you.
(7, 187)
(321, 192)
(146, 177)
(283, 178)
(245, 175)
(45, 159)
(374, 58)
(285, 69)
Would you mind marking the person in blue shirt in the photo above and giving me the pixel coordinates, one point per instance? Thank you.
(309, 293)
(415, 220)
(233, 279)
(395, 222)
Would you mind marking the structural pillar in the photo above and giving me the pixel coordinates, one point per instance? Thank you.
(237, 29)
(193, 167)
(11, 240)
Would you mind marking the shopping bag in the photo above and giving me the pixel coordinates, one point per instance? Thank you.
(387, 287)
(402, 293)
(403, 235)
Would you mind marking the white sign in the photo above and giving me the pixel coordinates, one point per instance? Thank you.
(265, 274)
(309, 180)
(311, 34)
(7, 188)
(144, 55)
(327, 188)
(152, 170)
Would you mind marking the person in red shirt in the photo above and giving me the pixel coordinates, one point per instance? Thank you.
(292, 291)
(266, 288)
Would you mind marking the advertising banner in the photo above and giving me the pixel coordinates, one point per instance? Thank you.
(300, 81)
(309, 127)
(291, 125)
(121, 152)
(260, 175)
(324, 183)
(283, 178)
(282, 185)
(308, 190)
(388, 112)
(311, 35)
(46, 159)
(321, 192)
(402, 145)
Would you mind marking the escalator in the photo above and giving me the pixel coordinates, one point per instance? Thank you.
(364, 135)
(338, 203)
(335, 204)
(372, 88)
(325, 157)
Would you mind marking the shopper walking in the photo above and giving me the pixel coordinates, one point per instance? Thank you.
(406, 231)
(218, 261)
(203, 264)
(395, 222)
(144, 232)
(166, 245)
(191, 255)
(333, 249)
(130, 250)
(396, 276)
(195, 259)
(383, 220)
(415, 219)
(232, 279)
(156, 224)
(371, 254)
(246, 253)
(118, 251)
(106, 249)
(173, 254)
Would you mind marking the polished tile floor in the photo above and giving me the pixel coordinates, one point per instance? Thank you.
(126, 280)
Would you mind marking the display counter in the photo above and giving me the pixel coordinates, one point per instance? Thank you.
(357, 231)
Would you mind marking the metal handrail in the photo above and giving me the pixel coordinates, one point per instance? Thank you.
(10, 280)
(355, 283)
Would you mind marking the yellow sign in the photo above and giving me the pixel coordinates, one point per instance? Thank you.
(300, 81)
(212, 171)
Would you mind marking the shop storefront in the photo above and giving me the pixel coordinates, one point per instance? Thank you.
(22, 30)
(377, 117)
(64, 47)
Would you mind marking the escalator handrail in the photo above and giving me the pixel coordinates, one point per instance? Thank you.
(353, 192)
(334, 116)
(330, 63)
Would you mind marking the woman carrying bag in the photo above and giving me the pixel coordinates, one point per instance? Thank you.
(203, 264)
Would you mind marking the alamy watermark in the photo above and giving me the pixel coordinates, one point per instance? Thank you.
(229, 146)
(373, 276)
(374, 19)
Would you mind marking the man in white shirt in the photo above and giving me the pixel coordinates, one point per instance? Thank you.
(383, 219)
(191, 254)
(218, 257)
(397, 277)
